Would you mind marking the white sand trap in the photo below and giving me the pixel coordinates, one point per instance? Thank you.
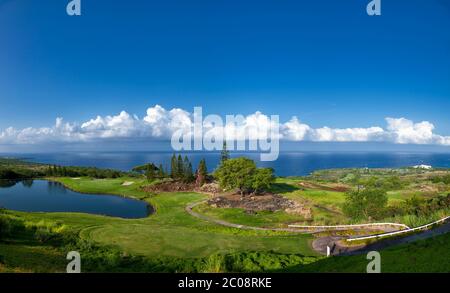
(127, 183)
(76, 178)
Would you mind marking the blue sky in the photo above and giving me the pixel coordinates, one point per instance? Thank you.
(325, 61)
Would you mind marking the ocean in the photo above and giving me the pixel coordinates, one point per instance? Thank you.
(288, 163)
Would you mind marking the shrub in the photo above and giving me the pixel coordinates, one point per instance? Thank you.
(368, 203)
(5, 227)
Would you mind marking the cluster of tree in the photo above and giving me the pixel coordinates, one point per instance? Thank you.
(441, 179)
(371, 203)
(422, 207)
(17, 173)
(181, 169)
(201, 174)
(367, 203)
(243, 175)
(386, 182)
(70, 171)
(151, 171)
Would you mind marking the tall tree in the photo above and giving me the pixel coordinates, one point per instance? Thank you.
(173, 167)
(225, 154)
(190, 173)
(161, 173)
(187, 167)
(150, 172)
(49, 171)
(180, 167)
(202, 172)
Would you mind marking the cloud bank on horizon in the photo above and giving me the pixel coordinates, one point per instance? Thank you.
(160, 124)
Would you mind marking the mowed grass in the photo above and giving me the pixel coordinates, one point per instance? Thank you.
(106, 186)
(171, 231)
(265, 219)
(291, 188)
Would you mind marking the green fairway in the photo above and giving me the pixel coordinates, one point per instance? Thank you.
(107, 186)
(171, 231)
(173, 240)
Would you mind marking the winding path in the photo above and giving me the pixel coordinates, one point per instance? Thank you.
(384, 243)
(320, 244)
(189, 208)
(295, 228)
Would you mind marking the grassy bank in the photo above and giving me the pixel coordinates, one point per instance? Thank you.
(423, 256)
(169, 233)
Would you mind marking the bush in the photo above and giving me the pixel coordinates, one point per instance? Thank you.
(444, 179)
(42, 235)
(5, 227)
(424, 207)
(367, 203)
(387, 183)
(10, 225)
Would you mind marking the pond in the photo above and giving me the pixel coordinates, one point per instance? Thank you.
(46, 196)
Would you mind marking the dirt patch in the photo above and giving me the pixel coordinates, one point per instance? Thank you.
(170, 186)
(209, 188)
(427, 188)
(256, 203)
(179, 186)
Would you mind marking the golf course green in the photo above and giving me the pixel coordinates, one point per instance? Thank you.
(173, 240)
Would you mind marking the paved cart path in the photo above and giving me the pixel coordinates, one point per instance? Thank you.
(320, 244)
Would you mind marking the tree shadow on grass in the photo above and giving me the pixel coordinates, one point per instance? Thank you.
(283, 188)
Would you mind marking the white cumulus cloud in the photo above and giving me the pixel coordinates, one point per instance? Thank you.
(159, 123)
(406, 131)
(162, 123)
(347, 134)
